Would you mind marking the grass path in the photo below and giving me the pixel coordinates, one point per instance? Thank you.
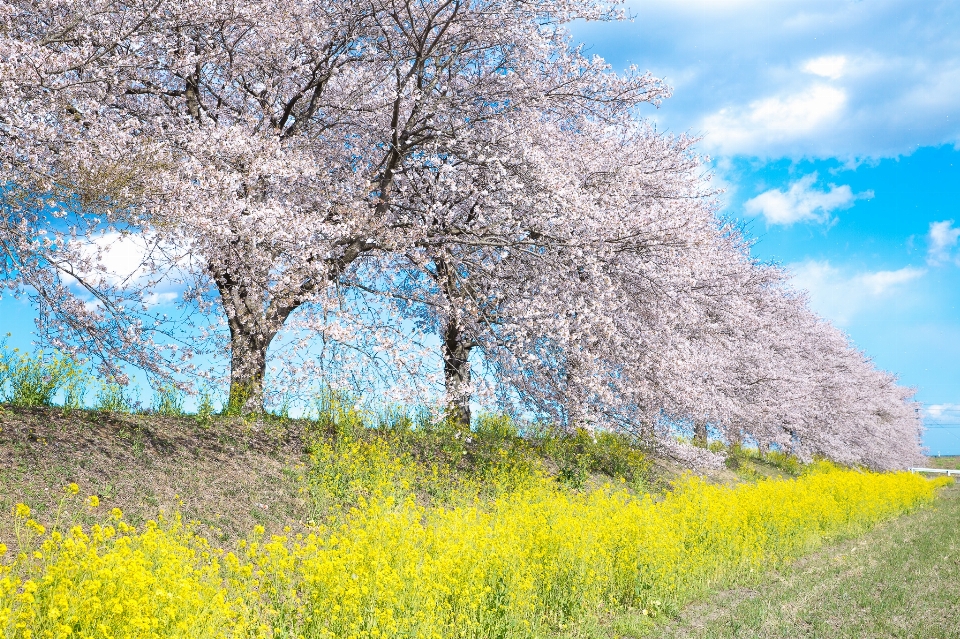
(901, 579)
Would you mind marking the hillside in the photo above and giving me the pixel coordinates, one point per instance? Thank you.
(230, 474)
(389, 524)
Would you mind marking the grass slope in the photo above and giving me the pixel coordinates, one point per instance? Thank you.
(226, 474)
(230, 475)
(901, 579)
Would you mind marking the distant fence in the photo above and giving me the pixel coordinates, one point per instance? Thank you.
(943, 471)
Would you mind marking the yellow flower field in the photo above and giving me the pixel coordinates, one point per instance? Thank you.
(517, 565)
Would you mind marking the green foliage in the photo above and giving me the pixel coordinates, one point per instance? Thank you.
(339, 415)
(580, 454)
(784, 461)
(35, 379)
(239, 394)
(112, 398)
(204, 408)
(357, 455)
(719, 447)
(168, 401)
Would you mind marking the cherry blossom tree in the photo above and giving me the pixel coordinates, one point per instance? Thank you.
(278, 135)
(345, 170)
(674, 324)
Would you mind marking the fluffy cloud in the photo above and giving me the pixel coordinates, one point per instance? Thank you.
(827, 66)
(797, 78)
(839, 295)
(881, 282)
(123, 258)
(774, 120)
(135, 261)
(802, 202)
(941, 412)
(941, 242)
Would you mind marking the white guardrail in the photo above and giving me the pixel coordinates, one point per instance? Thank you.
(947, 471)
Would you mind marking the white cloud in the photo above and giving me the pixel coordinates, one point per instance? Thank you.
(134, 261)
(881, 282)
(937, 411)
(941, 241)
(797, 78)
(827, 66)
(153, 299)
(802, 202)
(774, 119)
(123, 258)
(839, 295)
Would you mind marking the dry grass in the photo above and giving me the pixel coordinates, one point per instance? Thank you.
(228, 475)
(952, 462)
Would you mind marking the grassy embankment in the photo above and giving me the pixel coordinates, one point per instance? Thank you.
(900, 579)
(400, 530)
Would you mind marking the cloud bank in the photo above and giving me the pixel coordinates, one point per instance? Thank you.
(839, 295)
(942, 242)
(802, 202)
(798, 78)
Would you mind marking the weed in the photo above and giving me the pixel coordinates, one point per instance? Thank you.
(205, 409)
(168, 401)
(112, 398)
(35, 379)
(239, 394)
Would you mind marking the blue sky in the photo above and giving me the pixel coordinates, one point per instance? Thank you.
(833, 127)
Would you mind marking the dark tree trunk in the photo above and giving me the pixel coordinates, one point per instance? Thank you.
(700, 433)
(256, 313)
(248, 367)
(736, 437)
(456, 372)
(253, 325)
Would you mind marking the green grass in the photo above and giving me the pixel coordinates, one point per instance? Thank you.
(951, 462)
(901, 579)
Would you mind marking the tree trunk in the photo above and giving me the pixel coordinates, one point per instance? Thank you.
(456, 372)
(700, 433)
(248, 367)
(455, 345)
(735, 436)
(253, 326)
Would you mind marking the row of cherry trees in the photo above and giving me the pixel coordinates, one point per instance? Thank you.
(395, 180)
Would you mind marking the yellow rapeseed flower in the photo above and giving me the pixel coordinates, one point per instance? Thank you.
(506, 565)
(21, 511)
(93, 501)
(73, 489)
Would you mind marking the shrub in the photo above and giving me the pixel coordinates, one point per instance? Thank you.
(35, 379)
(113, 398)
(168, 401)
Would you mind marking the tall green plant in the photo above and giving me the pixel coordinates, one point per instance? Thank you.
(34, 379)
(168, 401)
(112, 398)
